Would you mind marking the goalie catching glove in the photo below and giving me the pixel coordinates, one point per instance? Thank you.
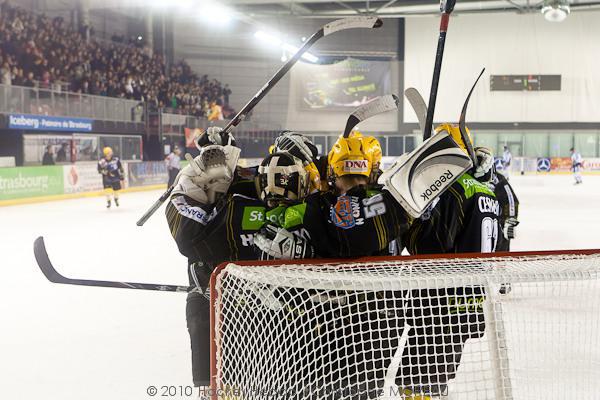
(209, 175)
(282, 244)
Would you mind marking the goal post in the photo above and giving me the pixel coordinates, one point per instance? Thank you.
(462, 326)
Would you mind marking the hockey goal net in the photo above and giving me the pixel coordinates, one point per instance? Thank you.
(511, 326)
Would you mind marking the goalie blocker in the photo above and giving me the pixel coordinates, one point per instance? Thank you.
(417, 178)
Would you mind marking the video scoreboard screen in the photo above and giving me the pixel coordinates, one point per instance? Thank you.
(524, 82)
(346, 84)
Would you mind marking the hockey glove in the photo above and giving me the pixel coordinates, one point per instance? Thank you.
(297, 145)
(281, 244)
(214, 135)
(209, 175)
(509, 228)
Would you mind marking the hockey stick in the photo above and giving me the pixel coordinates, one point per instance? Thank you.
(418, 104)
(41, 256)
(376, 106)
(332, 27)
(462, 126)
(446, 7)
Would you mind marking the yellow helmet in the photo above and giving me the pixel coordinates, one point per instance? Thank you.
(353, 156)
(355, 133)
(106, 151)
(314, 177)
(454, 131)
(373, 149)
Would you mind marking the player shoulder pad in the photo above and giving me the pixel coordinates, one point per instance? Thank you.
(471, 186)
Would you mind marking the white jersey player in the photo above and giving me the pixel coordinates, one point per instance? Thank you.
(506, 160)
(577, 165)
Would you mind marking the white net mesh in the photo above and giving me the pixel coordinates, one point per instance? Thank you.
(522, 327)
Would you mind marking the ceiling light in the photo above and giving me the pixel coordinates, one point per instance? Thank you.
(556, 10)
(276, 42)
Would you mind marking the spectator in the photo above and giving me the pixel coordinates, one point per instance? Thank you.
(40, 49)
(216, 111)
(48, 156)
(61, 154)
(6, 74)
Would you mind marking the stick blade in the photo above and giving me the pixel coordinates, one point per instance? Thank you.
(368, 22)
(376, 106)
(462, 123)
(43, 261)
(418, 105)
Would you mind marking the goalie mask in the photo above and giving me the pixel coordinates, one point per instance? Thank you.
(282, 178)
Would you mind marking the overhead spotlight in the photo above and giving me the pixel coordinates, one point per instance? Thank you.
(556, 10)
(286, 47)
(215, 14)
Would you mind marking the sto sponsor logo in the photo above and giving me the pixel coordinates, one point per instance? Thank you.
(543, 165)
(437, 185)
(489, 205)
(356, 166)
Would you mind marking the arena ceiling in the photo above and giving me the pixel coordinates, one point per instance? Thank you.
(390, 8)
(344, 8)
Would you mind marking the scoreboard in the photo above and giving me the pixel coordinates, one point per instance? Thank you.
(524, 82)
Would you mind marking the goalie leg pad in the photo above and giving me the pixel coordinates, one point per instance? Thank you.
(418, 178)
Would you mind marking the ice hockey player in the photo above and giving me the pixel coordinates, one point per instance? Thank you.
(577, 165)
(350, 220)
(283, 183)
(506, 161)
(213, 213)
(465, 219)
(355, 218)
(112, 175)
(509, 209)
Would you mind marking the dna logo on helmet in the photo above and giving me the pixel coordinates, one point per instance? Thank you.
(356, 166)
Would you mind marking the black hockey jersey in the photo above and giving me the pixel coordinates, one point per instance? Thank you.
(111, 170)
(361, 222)
(464, 220)
(509, 205)
(213, 234)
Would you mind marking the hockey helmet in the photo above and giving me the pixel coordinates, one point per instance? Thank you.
(354, 156)
(282, 178)
(301, 147)
(107, 151)
(454, 131)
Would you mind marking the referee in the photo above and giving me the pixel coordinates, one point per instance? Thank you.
(173, 161)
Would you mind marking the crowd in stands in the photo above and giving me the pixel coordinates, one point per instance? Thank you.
(38, 51)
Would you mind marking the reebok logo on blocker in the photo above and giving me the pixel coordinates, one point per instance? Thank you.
(436, 185)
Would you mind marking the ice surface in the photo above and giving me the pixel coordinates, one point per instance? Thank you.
(66, 342)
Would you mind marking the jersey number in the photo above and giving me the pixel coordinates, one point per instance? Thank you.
(374, 206)
(489, 235)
